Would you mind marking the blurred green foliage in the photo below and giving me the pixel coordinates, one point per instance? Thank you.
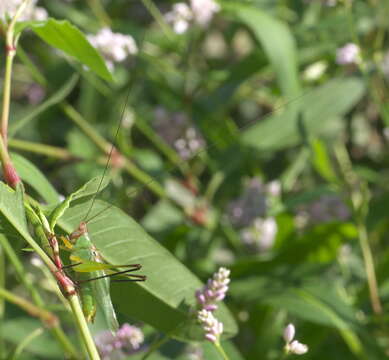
(250, 117)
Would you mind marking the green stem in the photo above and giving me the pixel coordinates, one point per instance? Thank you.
(83, 327)
(88, 129)
(161, 145)
(48, 318)
(362, 64)
(37, 332)
(369, 268)
(56, 329)
(359, 205)
(34, 71)
(144, 178)
(99, 12)
(221, 351)
(10, 44)
(156, 14)
(157, 344)
(21, 274)
(106, 147)
(6, 94)
(48, 150)
(2, 302)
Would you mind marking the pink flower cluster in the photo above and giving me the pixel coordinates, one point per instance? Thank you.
(212, 327)
(127, 340)
(214, 291)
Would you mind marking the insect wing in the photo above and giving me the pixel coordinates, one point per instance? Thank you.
(102, 294)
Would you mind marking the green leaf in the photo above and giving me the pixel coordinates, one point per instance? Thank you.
(321, 109)
(164, 300)
(92, 187)
(68, 38)
(277, 41)
(57, 97)
(12, 208)
(306, 298)
(32, 176)
(322, 162)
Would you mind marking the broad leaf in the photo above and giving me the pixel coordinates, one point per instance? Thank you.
(32, 176)
(68, 38)
(165, 300)
(277, 41)
(12, 208)
(321, 109)
(92, 187)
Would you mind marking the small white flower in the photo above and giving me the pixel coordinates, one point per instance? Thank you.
(289, 333)
(179, 17)
(31, 12)
(297, 348)
(199, 11)
(203, 10)
(315, 71)
(348, 54)
(293, 346)
(274, 188)
(115, 47)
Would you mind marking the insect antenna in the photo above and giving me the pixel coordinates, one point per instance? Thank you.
(110, 153)
(140, 187)
(131, 277)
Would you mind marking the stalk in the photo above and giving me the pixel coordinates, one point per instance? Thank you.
(14, 181)
(19, 349)
(359, 204)
(107, 147)
(221, 351)
(156, 14)
(83, 327)
(10, 45)
(56, 329)
(48, 318)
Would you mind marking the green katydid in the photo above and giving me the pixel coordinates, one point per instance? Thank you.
(92, 274)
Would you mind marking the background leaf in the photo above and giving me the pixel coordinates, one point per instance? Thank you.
(68, 38)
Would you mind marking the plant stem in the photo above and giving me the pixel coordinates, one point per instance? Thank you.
(221, 351)
(48, 318)
(83, 326)
(106, 147)
(10, 51)
(156, 14)
(359, 204)
(155, 346)
(6, 93)
(48, 150)
(369, 268)
(2, 303)
(37, 332)
(144, 178)
(56, 329)
(99, 12)
(88, 129)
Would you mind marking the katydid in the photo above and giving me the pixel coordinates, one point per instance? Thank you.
(93, 276)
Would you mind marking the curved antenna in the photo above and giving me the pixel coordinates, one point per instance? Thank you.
(113, 145)
(210, 146)
(110, 152)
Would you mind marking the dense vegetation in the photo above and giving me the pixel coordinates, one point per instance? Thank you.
(244, 142)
